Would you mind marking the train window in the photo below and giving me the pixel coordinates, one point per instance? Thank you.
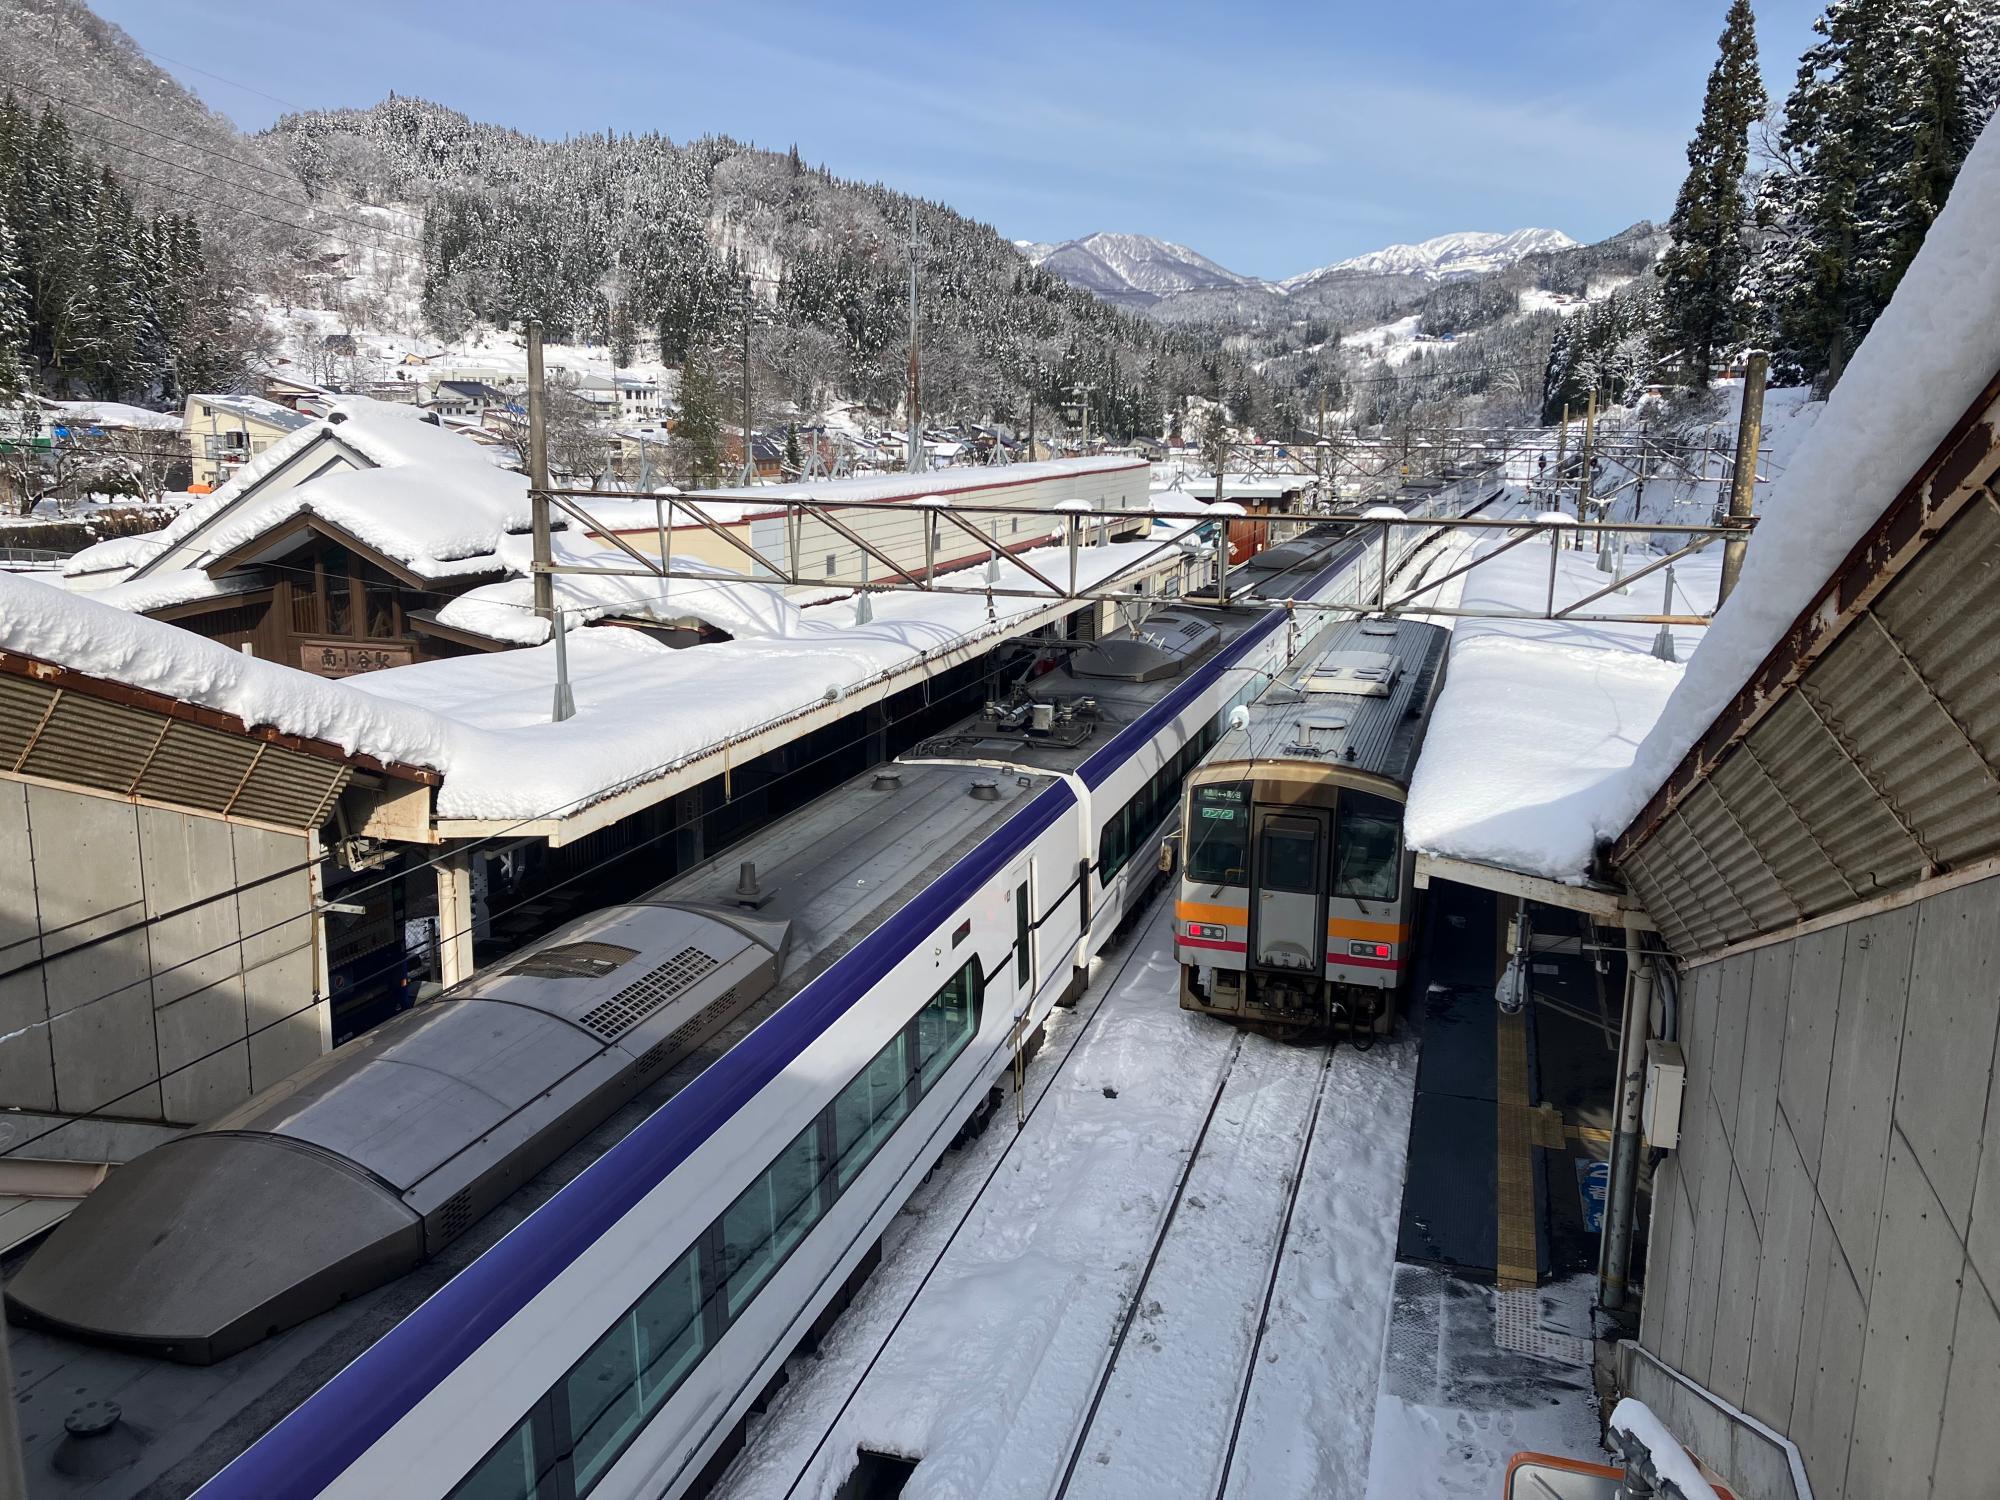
(945, 1025)
(1219, 841)
(1111, 848)
(509, 1472)
(1024, 934)
(868, 1109)
(772, 1215)
(1290, 855)
(634, 1368)
(1368, 847)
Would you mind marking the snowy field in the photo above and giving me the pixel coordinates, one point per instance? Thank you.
(1068, 1309)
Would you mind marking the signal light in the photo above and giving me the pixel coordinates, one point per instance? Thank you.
(1206, 930)
(1367, 950)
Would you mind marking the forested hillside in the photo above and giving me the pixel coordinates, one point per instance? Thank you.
(627, 239)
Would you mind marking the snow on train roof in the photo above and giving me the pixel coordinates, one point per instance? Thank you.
(643, 709)
(936, 482)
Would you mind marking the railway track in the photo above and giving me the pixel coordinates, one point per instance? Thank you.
(1136, 949)
(1115, 1475)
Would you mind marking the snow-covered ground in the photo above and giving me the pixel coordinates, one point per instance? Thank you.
(979, 1343)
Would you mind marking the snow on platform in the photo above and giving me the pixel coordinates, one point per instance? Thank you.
(1535, 731)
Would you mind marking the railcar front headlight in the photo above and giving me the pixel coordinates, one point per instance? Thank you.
(1206, 930)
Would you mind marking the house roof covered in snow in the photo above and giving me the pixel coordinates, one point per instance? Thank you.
(438, 499)
(256, 408)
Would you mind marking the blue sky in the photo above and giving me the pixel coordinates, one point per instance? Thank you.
(1273, 137)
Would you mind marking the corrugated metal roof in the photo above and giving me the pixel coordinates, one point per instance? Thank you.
(1376, 735)
(57, 734)
(1877, 769)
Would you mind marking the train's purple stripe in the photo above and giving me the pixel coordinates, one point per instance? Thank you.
(310, 1448)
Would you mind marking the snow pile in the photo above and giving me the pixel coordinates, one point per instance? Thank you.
(1634, 1421)
(506, 611)
(1929, 355)
(113, 414)
(1524, 743)
(77, 632)
(119, 555)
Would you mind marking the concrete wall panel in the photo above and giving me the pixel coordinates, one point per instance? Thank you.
(1829, 1367)
(1966, 1455)
(27, 1068)
(211, 1085)
(1763, 1046)
(1874, 984)
(1982, 1241)
(190, 872)
(1781, 1283)
(1811, 1010)
(20, 925)
(1948, 1033)
(274, 888)
(140, 1008)
(105, 1058)
(97, 844)
(1912, 1312)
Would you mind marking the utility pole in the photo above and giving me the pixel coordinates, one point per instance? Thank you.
(538, 474)
(917, 462)
(1562, 451)
(1589, 457)
(1034, 379)
(1743, 482)
(749, 465)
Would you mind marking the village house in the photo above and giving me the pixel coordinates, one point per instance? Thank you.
(225, 432)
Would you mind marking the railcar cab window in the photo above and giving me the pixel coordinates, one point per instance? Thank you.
(1290, 856)
(1219, 840)
(1369, 847)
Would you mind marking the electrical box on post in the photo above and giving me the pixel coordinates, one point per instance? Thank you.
(1660, 1111)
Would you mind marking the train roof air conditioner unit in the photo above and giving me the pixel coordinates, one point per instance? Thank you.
(1355, 674)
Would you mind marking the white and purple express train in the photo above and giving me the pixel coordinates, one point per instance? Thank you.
(612, 1343)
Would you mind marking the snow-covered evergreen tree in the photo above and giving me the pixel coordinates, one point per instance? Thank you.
(1885, 108)
(1699, 275)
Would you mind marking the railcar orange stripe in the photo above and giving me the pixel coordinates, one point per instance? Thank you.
(1201, 911)
(1380, 932)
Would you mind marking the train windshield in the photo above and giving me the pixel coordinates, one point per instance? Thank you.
(1369, 847)
(1218, 836)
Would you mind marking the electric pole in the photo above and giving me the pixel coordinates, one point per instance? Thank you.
(1743, 482)
(916, 458)
(538, 474)
(749, 466)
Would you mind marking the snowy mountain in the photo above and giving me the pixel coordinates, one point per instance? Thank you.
(1132, 270)
(1141, 272)
(1471, 253)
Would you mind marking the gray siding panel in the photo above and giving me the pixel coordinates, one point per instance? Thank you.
(1948, 1035)
(1811, 1011)
(1829, 1367)
(1763, 1043)
(1911, 1314)
(1781, 1283)
(1874, 983)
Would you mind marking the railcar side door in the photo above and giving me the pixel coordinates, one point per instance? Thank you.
(1021, 906)
(1288, 912)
